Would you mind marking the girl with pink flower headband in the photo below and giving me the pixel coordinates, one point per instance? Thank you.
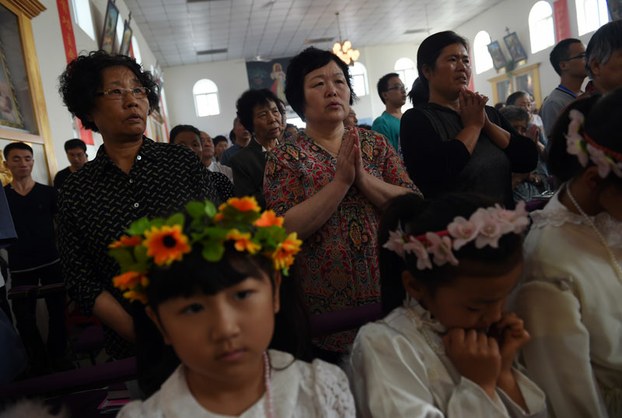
(446, 346)
(570, 299)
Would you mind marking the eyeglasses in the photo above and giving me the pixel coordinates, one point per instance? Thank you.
(400, 87)
(118, 93)
(581, 56)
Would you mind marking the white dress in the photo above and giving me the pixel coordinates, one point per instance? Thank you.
(298, 390)
(399, 369)
(571, 303)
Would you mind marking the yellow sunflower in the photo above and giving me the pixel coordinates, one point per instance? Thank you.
(283, 256)
(166, 244)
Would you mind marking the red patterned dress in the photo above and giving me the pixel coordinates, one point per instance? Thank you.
(338, 264)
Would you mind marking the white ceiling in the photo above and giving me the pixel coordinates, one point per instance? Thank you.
(176, 29)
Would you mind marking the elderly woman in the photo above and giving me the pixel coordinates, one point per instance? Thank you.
(450, 140)
(330, 183)
(131, 177)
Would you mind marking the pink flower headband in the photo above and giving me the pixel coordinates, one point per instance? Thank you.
(485, 227)
(586, 149)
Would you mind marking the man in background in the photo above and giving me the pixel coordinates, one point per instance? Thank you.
(392, 92)
(76, 154)
(240, 137)
(568, 60)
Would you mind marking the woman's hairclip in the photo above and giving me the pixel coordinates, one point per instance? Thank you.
(586, 149)
(485, 227)
(160, 242)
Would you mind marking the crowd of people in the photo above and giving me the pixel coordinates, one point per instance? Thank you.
(208, 263)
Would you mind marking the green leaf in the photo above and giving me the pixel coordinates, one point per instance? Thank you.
(195, 209)
(140, 254)
(209, 209)
(123, 257)
(212, 251)
(139, 226)
(176, 219)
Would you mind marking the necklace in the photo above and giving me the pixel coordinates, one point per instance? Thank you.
(266, 370)
(612, 257)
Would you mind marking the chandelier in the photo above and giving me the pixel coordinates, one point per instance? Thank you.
(344, 49)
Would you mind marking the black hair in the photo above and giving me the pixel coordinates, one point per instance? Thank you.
(82, 80)
(418, 216)
(383, 84)
(232, 136)
(429, 51)
(302, 64)
(512, 98)
(156, 361)
(603, 118)
(183, 128)
(419, 93)
(75, 143)
(16, 145)
(249, 100)
(515, 113)
(560, 53)
(603, 43)
(218, 139)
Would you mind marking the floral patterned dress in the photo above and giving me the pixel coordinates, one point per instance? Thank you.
(338, 264)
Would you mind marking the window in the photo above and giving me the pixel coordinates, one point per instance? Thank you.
(359, 79)
(206, 98)
(541, 26)
(136, 50)
(591, 14)
(407, 70)
(120, 29)
(82, 16)
(483, 60)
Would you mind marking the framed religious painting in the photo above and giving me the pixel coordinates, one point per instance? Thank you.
(110, 28)
(126, 40)
(9, 107)
(517, 52)
(498, 58)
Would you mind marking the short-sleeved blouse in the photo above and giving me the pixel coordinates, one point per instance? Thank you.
(338, 264)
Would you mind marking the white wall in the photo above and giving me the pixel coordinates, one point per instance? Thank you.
(52, 62)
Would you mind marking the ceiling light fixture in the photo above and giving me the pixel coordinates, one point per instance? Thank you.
(343, 49)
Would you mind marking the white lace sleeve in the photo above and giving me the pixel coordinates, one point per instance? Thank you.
(332, 391)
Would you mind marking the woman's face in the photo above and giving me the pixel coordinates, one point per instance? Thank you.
(327, 95)
(120, 119)
(452, 72)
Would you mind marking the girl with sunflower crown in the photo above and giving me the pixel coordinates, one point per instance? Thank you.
(210, 282)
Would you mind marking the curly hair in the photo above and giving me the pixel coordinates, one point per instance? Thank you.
(82, 79)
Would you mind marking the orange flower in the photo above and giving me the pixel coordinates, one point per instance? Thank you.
(166, 244)
(128, 280)
(126, 241)
(243, 204)
(283, 256)
(269, 218)
(219, 217)
(243, 241)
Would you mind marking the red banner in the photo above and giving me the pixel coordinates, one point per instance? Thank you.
(562, 20)
(71, 52)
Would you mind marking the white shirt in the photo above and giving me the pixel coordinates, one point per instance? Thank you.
(571, 303)
(216, 167)
(399, 369)
(298, 390)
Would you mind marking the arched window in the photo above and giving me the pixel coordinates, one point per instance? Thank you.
(206, 98)
(136, 50)
(591, 14)
(82, 16)
(541, 26)
(407, 70)
(483, 60)
(359, 79)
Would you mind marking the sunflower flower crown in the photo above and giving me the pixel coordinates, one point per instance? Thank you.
(485, 227)
(158, 242)
(586, 149)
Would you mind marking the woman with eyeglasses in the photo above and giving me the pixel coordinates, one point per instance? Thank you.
(130, 177)
(452, 141)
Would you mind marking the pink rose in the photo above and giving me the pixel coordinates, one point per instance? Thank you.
(462, 231)
(440, 248)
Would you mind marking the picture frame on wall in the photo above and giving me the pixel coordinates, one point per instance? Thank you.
(126, 40)
(517, 52)
(9, 109)
(498, 58)
(110, 27)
